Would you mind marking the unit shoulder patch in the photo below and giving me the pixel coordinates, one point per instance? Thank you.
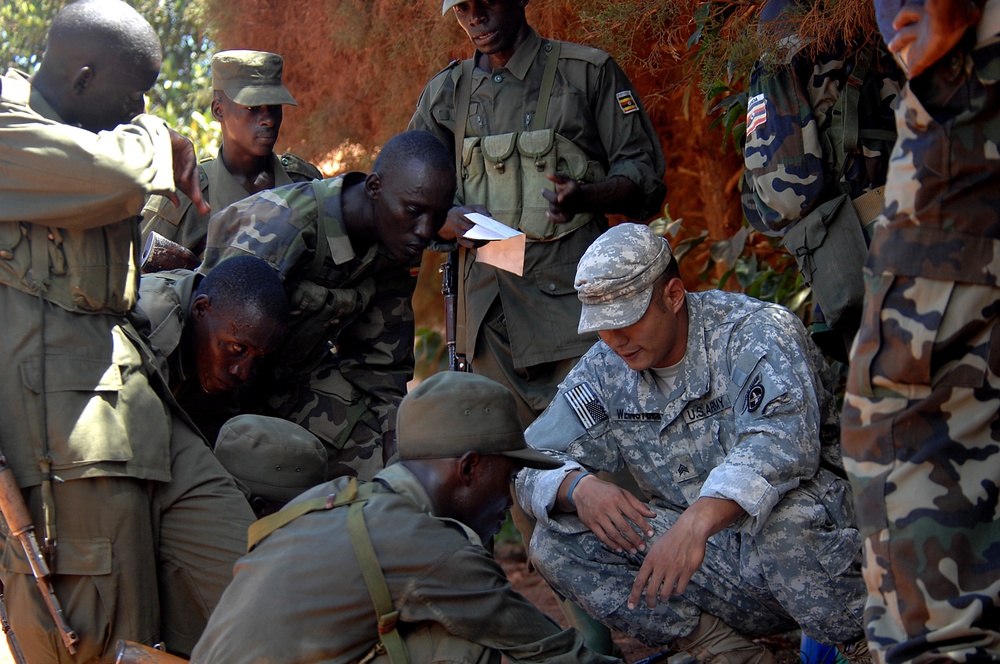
(586, 405)
(626, 101)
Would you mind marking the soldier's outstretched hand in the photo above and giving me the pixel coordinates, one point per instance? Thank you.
(613, 514)
(457, 224)
(564, 200)
(677, 554)
(925, 33)
(186, 172)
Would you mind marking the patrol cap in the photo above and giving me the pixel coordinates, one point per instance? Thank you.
(454, 412)
(448, 4)
(250, 78)
(615, 276)
(275, 458)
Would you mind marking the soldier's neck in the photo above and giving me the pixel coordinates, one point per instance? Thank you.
(254, 173)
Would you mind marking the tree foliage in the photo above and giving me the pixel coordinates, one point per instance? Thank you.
(183, 91)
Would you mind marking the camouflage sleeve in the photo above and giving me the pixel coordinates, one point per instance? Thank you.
(783, 155)
(777, 411)
(375, 352)
(573, 430)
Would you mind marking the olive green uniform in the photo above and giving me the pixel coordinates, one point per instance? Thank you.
(186, 226)
(147, 522)
(523, 323)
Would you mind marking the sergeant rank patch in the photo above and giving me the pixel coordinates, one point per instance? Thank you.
(626, 100)
(756, 112)
(585, 404)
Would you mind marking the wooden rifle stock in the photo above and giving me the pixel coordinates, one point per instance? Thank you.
(160, 254)
(130, 652)
(19, 520)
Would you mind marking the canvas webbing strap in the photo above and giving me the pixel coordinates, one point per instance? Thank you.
(260, 529)
(545, 91)
(377, 587)
(319, 188)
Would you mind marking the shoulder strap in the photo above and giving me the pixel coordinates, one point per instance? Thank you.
(545, 91)
(462, 96)
(375, 580)
(260, 529)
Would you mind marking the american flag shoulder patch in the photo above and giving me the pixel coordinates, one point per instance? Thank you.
(585, 404)
(756, 112)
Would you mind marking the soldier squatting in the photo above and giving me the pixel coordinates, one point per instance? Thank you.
(127, 488)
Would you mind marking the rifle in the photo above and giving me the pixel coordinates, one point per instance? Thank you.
(449, 288)
(130, 652)
(19, 520)
(160, 254)
(12, 644)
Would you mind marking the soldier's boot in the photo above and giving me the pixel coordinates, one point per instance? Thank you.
(716, 642)
(856, 652)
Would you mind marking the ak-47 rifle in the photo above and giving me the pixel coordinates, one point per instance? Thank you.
(19, 521)
(449, 288)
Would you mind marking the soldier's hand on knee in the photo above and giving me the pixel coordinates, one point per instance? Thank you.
(669, 564)
(616, 516)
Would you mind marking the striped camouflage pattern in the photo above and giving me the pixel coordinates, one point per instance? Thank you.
(921, 431)
(349, 352)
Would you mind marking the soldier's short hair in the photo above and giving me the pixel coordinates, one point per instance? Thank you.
(247, 285)
(415, 145)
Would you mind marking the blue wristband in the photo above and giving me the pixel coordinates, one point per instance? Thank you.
(572, 486)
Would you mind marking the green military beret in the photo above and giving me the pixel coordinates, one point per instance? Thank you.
(250, 78)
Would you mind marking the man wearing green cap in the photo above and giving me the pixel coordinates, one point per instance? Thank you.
(397, 566)
(247, 104)
(722, 408)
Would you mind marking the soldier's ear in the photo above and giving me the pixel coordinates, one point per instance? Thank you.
(201, 307)
(82, 79)
(217, 110)
(373, 185)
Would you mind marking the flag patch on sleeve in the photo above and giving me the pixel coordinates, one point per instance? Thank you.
(626, 100)
(585, 404)
(756, 112)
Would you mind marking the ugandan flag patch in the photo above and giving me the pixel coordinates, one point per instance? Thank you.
(626, 101)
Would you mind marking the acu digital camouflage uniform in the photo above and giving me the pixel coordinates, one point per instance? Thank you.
(348, 355)
(921, 431)
(750, 418)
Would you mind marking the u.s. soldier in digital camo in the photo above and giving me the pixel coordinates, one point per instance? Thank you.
(921, 420)
(348, 250)
(819, 134)
(247, 102)
(722, 408)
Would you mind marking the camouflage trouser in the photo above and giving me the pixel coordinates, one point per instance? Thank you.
(336, 413)
(801, 569)
(921, 432)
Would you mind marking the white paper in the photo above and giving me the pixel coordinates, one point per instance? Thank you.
(505, 249)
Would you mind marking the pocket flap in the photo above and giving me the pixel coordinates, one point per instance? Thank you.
(499, 147)
(71, 374)
(77, 557)
(536, 143)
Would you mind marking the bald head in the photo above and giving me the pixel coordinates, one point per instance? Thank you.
(101, 57)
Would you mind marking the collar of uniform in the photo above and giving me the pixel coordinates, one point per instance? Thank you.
(341, 249)
(405, 483)
(224, 189)
(525, 56)
(27, 94)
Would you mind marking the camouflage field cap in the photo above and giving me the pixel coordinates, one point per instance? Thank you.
(275, 458)
(454, 412)
(615, 276)
(251, 78)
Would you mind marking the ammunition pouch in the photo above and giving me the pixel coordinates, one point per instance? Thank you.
(507, 173)
(830, 249)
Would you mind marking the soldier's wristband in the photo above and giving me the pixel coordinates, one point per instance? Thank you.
(572, 486)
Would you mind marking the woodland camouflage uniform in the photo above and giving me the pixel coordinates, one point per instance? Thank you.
(344, 365)
(921, 431)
